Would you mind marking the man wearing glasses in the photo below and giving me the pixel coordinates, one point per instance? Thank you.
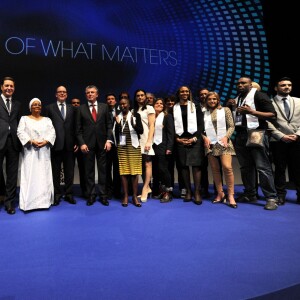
(63, 119)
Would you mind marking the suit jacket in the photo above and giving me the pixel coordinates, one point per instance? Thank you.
(282, 125)
(168, 136)
(90, 132)
(64, 128)
(10, 121)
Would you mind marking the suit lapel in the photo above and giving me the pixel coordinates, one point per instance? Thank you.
(279, 108)
(3, 104)
(88, 112)
(56, 109)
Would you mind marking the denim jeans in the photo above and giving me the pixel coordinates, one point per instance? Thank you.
(254, 160)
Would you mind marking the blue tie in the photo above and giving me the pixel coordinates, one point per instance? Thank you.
(62, 110)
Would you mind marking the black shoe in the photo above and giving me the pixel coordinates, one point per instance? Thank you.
(10, 210)
(281, 200)
(246, 199)
(198, 198)
(70, 199)
(222, 200)
(91, 200)
(104, 201)
(136, 202)
(56, 200)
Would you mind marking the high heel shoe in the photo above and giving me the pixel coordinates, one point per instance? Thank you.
(222, 200)
(232, 205)
(136, 202)
(144, 199)
(125, 202)
(198, 199)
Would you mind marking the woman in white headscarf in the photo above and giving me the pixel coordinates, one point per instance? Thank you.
(37, 136)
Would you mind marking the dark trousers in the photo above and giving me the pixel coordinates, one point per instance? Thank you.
(252, 159)
(12, 164)
(80, 164)
(286, 155)
(113, 179)
(67, 159)
(89, 163)
(160, 172)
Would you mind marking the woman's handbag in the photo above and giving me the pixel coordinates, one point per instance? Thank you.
(256, 138)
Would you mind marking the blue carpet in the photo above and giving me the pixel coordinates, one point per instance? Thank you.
(175, 250)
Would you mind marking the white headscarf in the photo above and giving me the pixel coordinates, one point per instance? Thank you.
(32, 100)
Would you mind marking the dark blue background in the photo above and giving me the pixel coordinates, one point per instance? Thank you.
(215, 43)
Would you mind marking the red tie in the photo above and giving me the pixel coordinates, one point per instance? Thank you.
(94, 113)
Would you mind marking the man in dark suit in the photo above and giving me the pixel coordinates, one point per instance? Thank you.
(63, 119)
(10, 146)
(75, 102)
(113, 179)
(94, 136)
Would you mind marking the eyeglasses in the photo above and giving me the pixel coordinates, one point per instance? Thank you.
(61, 92)
(75, 102)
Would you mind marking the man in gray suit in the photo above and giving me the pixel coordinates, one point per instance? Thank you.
(285, 142)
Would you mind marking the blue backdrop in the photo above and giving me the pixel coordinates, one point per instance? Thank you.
(124, 45)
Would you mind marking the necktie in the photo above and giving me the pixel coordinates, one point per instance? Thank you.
(94, 113)
(62, 110)
(286, 107)
(8, 105)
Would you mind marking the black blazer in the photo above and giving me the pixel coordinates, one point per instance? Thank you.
(90, 132)
(9, 123)
(168, 136)
(64, 129)
(138, 127)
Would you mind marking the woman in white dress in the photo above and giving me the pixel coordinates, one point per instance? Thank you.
(37, 135)
(147, 113)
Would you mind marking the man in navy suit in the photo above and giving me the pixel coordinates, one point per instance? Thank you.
(10, 146)
(94, 136)
(63, 119)
(113, 179)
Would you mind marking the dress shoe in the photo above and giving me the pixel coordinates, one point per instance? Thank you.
(91, 200)
(56, 200)
(70, 199)
(281, 200)
(246, 198)
(10, 210)
(104, 201)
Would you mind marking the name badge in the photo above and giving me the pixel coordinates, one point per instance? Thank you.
(122, 140)
(238, 120)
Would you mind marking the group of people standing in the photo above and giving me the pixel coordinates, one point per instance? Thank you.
(148, 139)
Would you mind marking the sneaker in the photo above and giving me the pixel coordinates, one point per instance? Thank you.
(183, 193)
(246, 198)
(271, 204)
